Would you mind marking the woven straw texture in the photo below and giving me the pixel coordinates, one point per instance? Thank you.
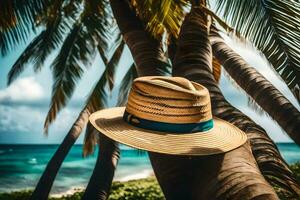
(170, 100)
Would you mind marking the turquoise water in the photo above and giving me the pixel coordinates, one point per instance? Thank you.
(22, 165)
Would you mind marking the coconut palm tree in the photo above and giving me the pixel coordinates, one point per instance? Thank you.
(257, 86)
(194, 48)
(160, 161)
(68, 25)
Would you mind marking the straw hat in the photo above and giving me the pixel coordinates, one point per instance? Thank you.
(170, 115)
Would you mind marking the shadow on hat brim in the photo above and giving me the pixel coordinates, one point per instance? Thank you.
(223, 137)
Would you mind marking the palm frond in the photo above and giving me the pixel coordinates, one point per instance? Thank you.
(216, 69)
(39, 49)
(113, 63)
(98, 97)
(99, 22)
(273, 27)
(8, 18)
(18, 19)
(25, 58)
(161, 15)
(57, 25)
(96, 100)
(126, 85)
(90, 140)
(76, 50)
(257, 86)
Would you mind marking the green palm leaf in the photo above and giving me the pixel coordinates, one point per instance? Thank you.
(126, 85)
(77, 50)
(39, 49)
(113, 63)
(18, 20)
(67, 70)
(96, 100)
(273, 27)
(160, 15)
(25, 58)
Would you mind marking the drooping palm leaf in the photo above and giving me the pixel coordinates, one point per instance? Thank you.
(257, 86)
(126, 85)
(113, 63)
(98, 97)
(273, 27)
(90, 140)
(99, 24)
(78, 50)
(216, 69)
(148, 52)
(265, 152)
(97, 100)
(237, 175)
(161, 15)
(8, 18)
(67, 69)
(57, 23)
(18, 18)
(25, 57)
(41, 47)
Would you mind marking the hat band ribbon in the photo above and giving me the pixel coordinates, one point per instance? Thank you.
(167, 127)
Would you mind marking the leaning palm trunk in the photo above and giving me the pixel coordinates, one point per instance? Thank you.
(233, 175)
(108, 155)
(148, 58)
(44, 185)
(257, 86)
(147, 52)
(264, 150)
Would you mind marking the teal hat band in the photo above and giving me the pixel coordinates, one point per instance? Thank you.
(167, 127)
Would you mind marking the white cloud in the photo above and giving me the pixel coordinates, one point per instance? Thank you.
(23, 89)
(24, 124)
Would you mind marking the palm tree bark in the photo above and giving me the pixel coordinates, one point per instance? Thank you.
(148, 58)
(266, 154)
(147, 52)
(233, 175)
(44, 185)
(107, 160)
(257, 86)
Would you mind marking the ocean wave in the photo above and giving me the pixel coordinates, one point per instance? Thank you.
(143, 174)
(32, 161)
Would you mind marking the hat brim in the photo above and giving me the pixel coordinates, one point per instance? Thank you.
(221, 138)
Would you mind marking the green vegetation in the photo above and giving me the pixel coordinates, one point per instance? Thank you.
(130, 190)
(143, 189)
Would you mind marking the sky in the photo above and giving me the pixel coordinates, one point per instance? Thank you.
(25, 103)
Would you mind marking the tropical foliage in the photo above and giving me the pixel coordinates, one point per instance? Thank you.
(75, 31)
(137, 189)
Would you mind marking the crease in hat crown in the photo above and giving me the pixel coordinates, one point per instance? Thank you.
(169, 100)
(168, 115)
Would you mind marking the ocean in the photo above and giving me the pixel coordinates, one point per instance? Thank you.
(22, 165)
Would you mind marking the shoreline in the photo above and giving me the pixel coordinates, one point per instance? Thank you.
(144, 174)
(130, 189)
(133, 177)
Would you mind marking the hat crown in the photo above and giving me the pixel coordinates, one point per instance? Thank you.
(169, 99)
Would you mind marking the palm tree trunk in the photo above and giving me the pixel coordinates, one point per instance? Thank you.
(44, 185)
(101, 179)
(147, 52)
(257, 86)
(264, 150)
(148, 58)
(233, 175)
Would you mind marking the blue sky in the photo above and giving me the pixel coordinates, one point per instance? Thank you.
(24, 104)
